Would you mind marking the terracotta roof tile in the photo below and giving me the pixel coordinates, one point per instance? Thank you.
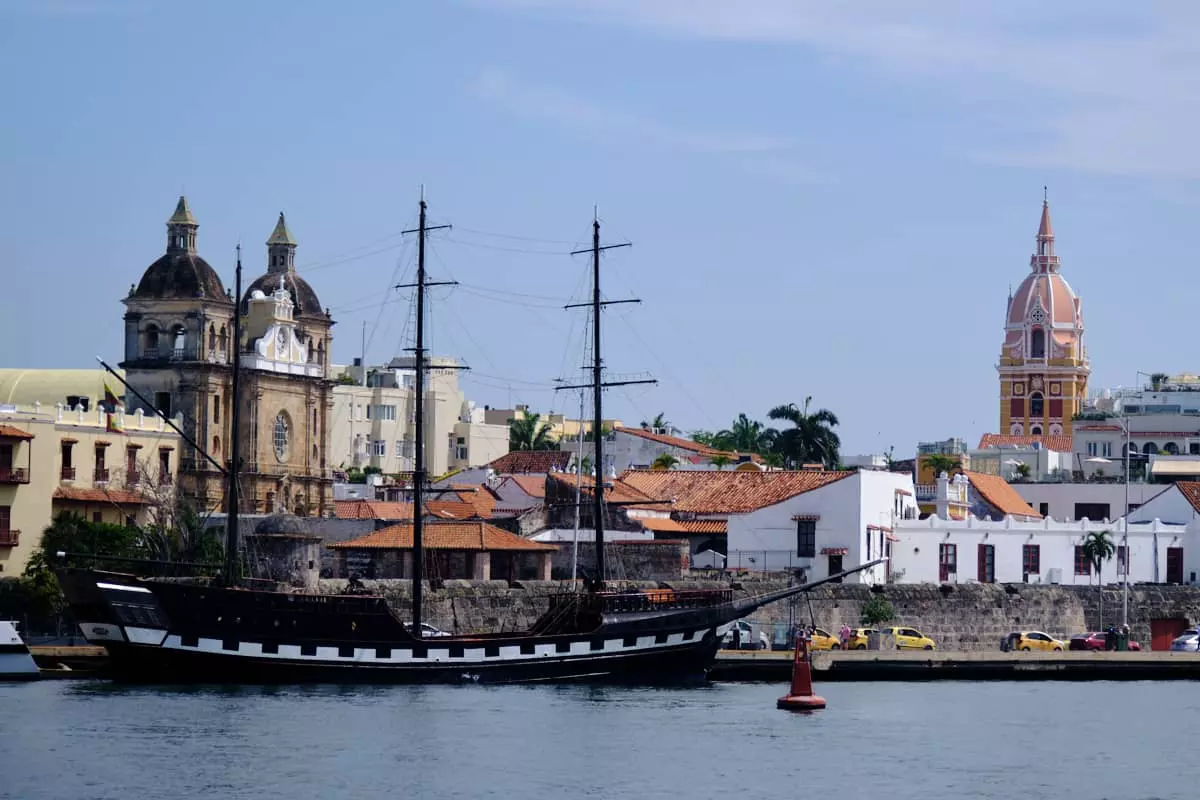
(732, 492)
(617, 491)
(448, 509)
(371, 509)
(9, 432)
(475, 536)
(530, 461)
(1190, 491)
(532, 485)
(998, 494)
(699, 526)
(119, 496)
(1060, 444)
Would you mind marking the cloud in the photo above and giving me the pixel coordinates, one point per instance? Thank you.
(569, 110)
(1096, 85)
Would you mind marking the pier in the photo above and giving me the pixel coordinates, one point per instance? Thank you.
(831, 666)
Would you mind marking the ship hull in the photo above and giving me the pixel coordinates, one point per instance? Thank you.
(179, 633)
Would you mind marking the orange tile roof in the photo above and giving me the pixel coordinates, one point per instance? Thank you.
(9, 432)
(478, 497)
(474, 536)
(722, 492)
(661, 525)
(700, 526)
(998, 494)
(371, 509)
(532, 485)
(617, 491)
(1059, 444)
(530, 461)
(449, 509)
(119, 496)
(1190, 491)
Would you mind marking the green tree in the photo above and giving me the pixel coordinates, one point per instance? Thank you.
(71, 533)
(1098, 547)
(720, 461)
(530, 433)
(665, 461)
(876, 610)
(659, 423)
(773, 460)
(811, 439)
(1022, 471)
(703, 437)
(744, 436)
(940, 462)
(605, 431)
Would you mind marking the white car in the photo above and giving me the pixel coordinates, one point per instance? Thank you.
(746, 638)
(1188, 641)
(428, 631)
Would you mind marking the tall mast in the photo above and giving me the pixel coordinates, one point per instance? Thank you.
(597, 412)
(235, 455)
(418, 552)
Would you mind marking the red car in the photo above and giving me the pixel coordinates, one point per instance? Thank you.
(1094, 641)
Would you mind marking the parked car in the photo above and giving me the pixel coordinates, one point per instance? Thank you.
(1188, 641)
(909, 638)
(1097, 640)
(746, 638)
(859, 638)
(1037, 640)
(824, 640)
(428, 631)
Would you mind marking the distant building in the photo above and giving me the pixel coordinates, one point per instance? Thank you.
(561, 428)
(637, 448)
(374, 418)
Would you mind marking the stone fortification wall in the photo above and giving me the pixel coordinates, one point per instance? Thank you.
(968, 617)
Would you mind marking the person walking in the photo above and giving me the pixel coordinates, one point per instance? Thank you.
(845, 634)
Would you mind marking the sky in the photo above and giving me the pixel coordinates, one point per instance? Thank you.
(823, 199)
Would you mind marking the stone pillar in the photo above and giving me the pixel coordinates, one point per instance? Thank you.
(481, 566)
(543, 566)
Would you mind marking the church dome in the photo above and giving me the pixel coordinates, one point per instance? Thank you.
(303, 297)
(181, 274)
(1044, 309)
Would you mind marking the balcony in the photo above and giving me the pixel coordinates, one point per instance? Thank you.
(100, 475)
(13, 475)
(68, 474)
(9, 538)
(133, 479)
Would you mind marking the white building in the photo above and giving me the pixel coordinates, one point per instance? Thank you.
(1093, 501)
(937, 550)
(374, 414)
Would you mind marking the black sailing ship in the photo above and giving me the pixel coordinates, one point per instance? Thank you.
(225, 629)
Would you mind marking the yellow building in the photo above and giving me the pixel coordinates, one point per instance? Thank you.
(1043, 363)
(561, 428)
(55, 458)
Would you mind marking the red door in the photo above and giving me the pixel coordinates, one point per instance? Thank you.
(1174, 565)
(1164, 631)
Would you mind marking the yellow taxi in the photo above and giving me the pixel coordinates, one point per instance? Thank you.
(909, 638)
(824, 640)
(1036, 640)
(859, 638)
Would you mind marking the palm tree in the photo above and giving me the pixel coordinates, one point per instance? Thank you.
(659, 423)
(1022, 471)
(530, 433)
(940, 462)
(720, 460)
(705, 438)
(665, 461)
(811, 438)
(1097, 548)
(773, 460)
(744, 435)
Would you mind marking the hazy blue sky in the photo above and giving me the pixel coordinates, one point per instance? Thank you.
(826, 199)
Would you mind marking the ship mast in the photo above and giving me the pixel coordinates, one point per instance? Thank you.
(418, 553)
(235, 455)
(597, 385)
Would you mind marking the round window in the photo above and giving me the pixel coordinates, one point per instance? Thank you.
(282, 436)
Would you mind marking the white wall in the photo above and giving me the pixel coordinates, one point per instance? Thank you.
(1062, 497)
(845, 508)
(917, 552)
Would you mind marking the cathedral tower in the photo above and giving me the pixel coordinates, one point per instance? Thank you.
(1043, 363)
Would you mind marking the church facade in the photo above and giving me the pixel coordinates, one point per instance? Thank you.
(1043, 363)
(179, 353)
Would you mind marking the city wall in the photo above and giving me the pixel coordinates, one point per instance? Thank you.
(960, 617)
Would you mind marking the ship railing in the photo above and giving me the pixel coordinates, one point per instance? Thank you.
(648, 600)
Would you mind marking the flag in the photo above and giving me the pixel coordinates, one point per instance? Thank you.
(113, 424)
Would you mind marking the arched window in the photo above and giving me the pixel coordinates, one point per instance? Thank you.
(1171, 448)
(1037, 344)
(151, 341)
(1150, 448)
(1035, 404)
(1036, 430)
(179, 334)
(216, 415)
(314, 425)
(281, 436)
(223, 340)
(216, 448)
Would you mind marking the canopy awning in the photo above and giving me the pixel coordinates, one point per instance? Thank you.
(1175, 466)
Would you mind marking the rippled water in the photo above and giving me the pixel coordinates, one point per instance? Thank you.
(76, 740)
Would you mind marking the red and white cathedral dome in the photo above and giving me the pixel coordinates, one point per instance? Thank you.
(1044, 317)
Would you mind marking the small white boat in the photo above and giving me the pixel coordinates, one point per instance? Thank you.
(16, 662)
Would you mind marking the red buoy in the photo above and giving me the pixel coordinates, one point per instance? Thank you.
(801, 697)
